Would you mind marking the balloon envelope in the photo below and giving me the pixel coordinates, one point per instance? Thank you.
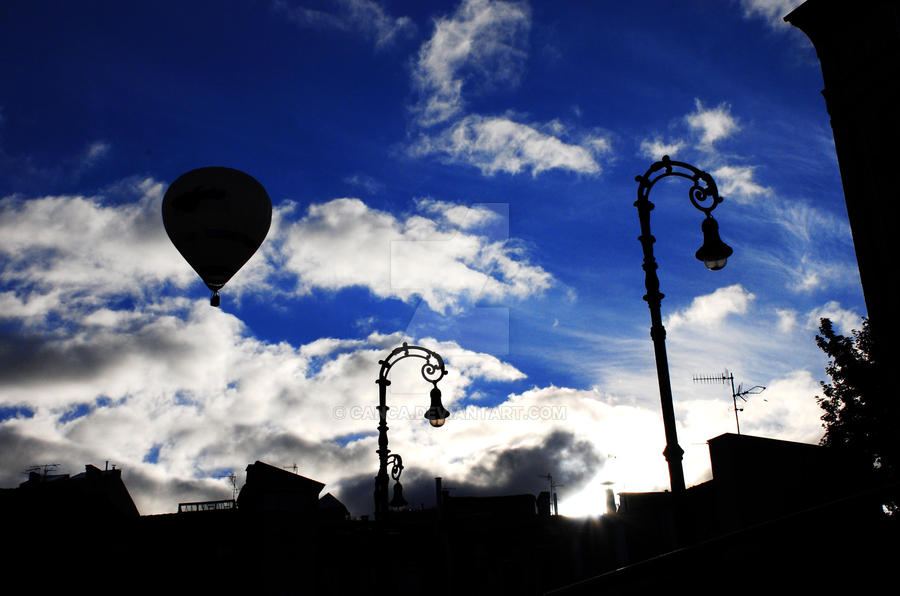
(216, 218)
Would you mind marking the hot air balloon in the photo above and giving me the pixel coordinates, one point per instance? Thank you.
(216, 218)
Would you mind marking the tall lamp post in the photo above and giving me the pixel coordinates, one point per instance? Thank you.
(704, 196)
(432, 371)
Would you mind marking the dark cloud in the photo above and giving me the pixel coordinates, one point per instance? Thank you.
(34, 359)
(286, 448)
(18, 452)
(171, 490)
(518, 470)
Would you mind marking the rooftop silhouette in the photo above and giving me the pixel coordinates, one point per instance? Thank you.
(765, 494)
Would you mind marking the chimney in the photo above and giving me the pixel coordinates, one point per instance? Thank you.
(610, 501)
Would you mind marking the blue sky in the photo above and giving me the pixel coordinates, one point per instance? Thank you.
(454, 174)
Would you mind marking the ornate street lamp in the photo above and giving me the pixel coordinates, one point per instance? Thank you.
(714, 253)
(432, 371)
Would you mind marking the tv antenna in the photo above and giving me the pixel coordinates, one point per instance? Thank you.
(553, 486)
(740, 392)
(43, 469)
(233, 479)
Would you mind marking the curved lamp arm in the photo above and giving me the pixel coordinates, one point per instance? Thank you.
(432, 371)
(396, 462)
(703, 193)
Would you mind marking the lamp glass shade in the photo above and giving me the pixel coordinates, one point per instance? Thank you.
(398, 500)
(436, 414)
(714, 253)
(715, 265)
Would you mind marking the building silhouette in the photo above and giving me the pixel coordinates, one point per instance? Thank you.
(776, 501)
(858, 45)
(272, 489)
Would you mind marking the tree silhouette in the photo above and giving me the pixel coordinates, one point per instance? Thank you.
(859, 414)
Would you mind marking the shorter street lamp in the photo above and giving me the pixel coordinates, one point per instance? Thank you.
(396, 463)
(714, 253)
(432, 371)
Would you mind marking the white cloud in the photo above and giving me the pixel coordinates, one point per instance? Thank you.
(813, 272)
(772, 11)
(786, 410)
(711, 310)
(368, 183)
(344, 243)
(656, 148)
(807, 222)
(479, 47)
(363, 16)
(712, 124)
(189, 381)
(629, 438)
(177, 378)
(94, 153)
(814, 248)
(190, 384)
(600, 145)
(475, 365)
(787, 319)
(818, 243)
(498, 144)
(74, 253)
(736, 182)
(480, 43)
(461, 216)
(74, 250)
(818, 276)
(844, 319)
(707, 126)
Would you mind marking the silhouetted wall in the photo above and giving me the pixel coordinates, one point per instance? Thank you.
(507, 506)
(858, 44)
(755, 479)
(758, 479)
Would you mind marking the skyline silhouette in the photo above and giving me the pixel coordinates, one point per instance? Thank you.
(457, 175)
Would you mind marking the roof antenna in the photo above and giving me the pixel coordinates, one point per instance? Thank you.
(43, 469)
(553, 485)
(233, 479)
(725, 377)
